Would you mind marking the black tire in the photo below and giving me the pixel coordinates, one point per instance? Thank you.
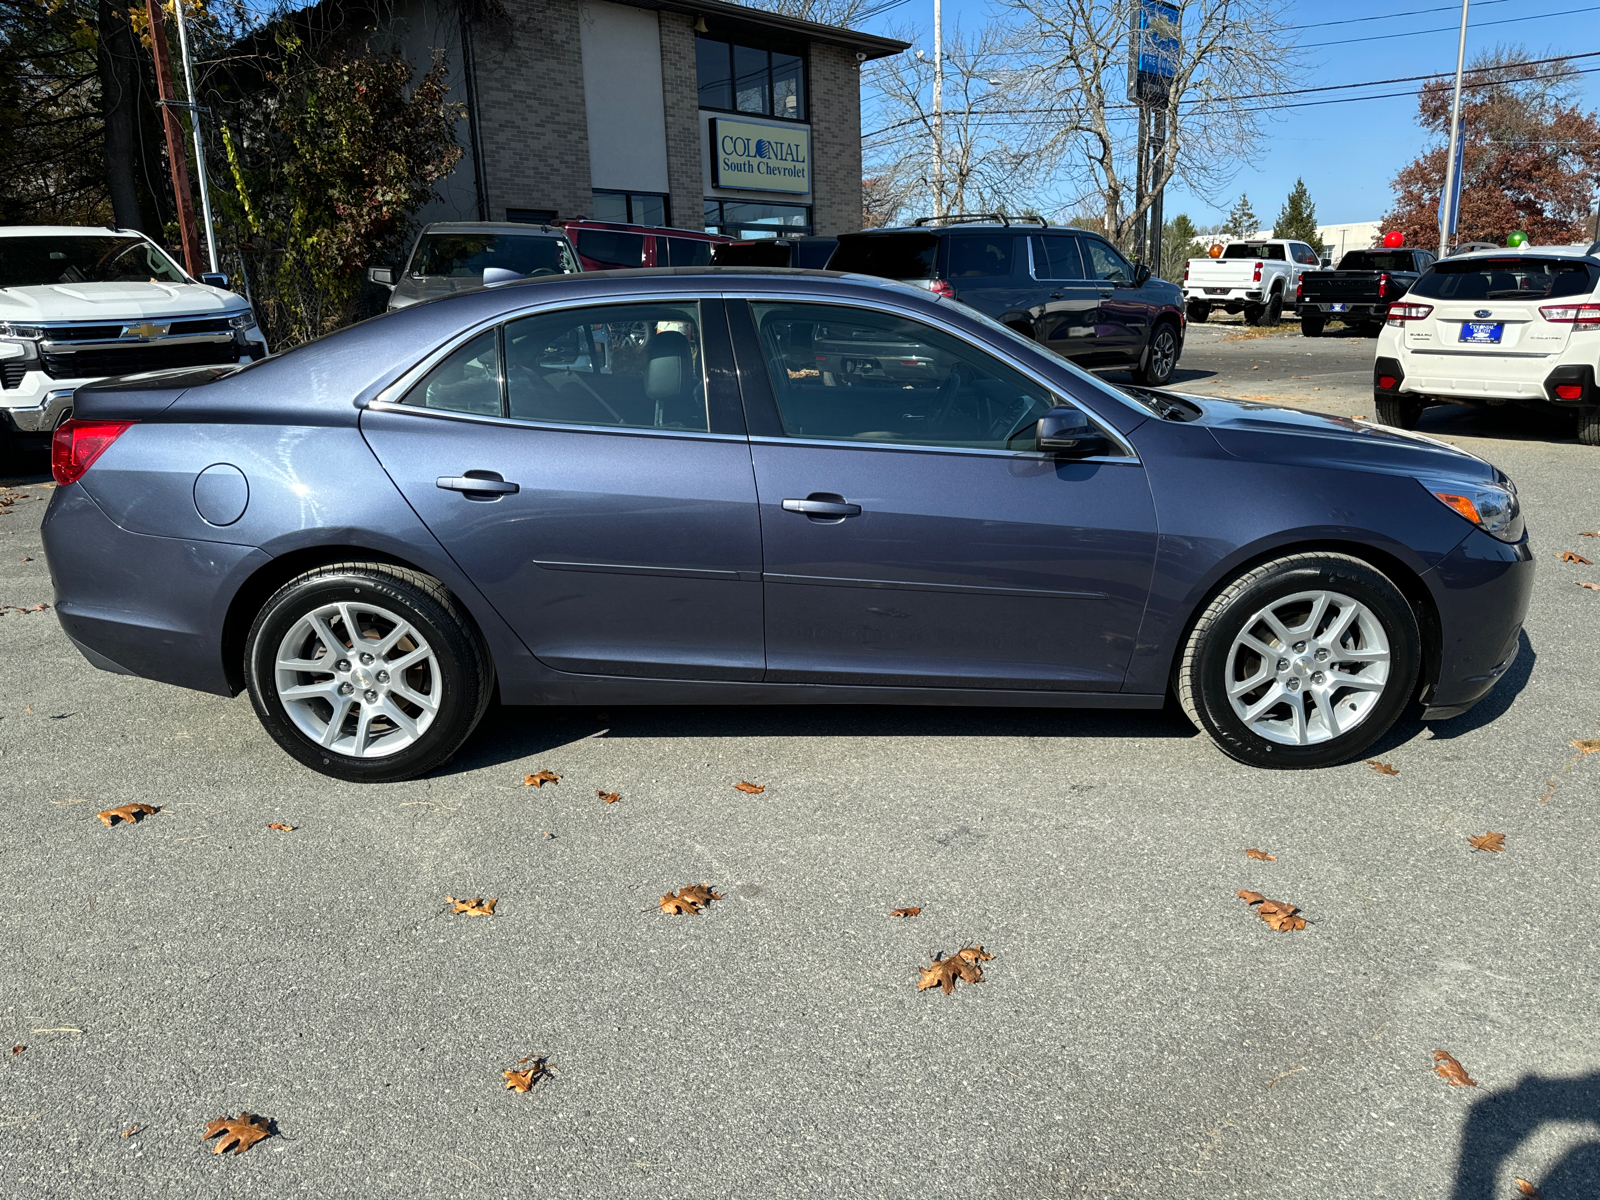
(1272, 314)
(1589, 426)
(1312, 322)
(1203, 673)
(1398, 411)
(1253, 313)
(460, 674)
(1198, 313)
(1160, 357)
(1370, 329)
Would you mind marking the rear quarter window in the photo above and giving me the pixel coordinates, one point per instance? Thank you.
(887, 255)
(610, 248)
(981, 256)
(1508, 278)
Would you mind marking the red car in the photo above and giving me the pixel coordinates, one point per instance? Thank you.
(609, 245)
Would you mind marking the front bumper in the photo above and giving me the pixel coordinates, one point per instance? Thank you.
(1482, 589)
(42, 417)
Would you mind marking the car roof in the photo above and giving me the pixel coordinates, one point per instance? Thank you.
(971, 227)
(60, 230)
(1579, 251)
(494, 227)
(659, 230)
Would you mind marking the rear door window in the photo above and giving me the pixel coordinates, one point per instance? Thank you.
(688, 252)
(887, 255)
(1507, 278)
(981, 256)
(1055, 256)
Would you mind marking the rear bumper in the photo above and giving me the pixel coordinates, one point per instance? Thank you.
(1482, 590)
(1351, 308)
(1573, 375)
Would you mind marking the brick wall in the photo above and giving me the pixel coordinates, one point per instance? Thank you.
(531, 116)
(835, 140)
(680, 93)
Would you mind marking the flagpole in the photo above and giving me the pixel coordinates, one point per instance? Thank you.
(1449, 217)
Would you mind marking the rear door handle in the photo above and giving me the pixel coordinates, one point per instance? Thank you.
(477, 485)
(822, 508)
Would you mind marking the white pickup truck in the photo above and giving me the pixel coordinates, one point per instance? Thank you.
(1257, 277)
(82, 303)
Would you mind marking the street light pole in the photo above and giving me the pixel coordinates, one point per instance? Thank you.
(1449, 218)
(199, 147)
(938, 105)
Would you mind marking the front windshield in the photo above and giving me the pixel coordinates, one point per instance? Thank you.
(36, 260)
(466, 255)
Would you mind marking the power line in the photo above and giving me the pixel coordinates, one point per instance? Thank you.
(1411, 12)
(1382, 37)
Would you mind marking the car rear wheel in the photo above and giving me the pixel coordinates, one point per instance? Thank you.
(1589, 426)
(1303, 662)
(1398, 412)
(1273, 312)
(367, 672)
(1199, 313)
(1160, 357)
(1312, 322)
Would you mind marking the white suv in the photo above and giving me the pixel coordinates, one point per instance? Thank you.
(1518, 326)
(82, 303)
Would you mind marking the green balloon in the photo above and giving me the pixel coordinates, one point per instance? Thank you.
(1517, 239)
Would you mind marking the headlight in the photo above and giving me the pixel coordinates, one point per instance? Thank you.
(244, 320)
(7, 329)
(1492, 507)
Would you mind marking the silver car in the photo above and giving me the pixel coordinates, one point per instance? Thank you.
(451, 256)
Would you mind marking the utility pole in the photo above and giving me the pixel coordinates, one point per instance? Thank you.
(1158, 140)
(938, 105)
(175, 153)
(199, 146)
(1449, 218)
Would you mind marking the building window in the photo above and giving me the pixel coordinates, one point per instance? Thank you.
(531, 216)
(752, 219)
(768, 81)
(631, 208)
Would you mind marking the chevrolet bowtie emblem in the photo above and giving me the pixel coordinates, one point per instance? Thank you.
(147, 330)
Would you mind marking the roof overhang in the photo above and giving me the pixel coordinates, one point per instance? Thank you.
(735, 19)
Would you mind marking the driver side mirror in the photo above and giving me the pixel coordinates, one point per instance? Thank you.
(382, 276)
(216, 279)
(1141, 274)
(1069, 432)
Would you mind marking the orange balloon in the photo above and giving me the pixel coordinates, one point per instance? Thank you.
(1216, 250)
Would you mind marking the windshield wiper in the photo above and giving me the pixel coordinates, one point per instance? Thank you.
(1167, 407)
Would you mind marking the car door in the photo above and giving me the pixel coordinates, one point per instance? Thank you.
(1066, 318)
(587, 468)
(1123, 314)
(912, 534)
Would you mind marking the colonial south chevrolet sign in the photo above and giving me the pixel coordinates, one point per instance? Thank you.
(760, 158)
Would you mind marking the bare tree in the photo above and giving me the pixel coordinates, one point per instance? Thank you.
(946, 155)
(1232, 55)
(844, 13)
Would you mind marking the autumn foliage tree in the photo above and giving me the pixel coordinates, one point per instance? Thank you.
(1531, 155)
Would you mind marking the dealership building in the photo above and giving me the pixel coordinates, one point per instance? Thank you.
(699, 115)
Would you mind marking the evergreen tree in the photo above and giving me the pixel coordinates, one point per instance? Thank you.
(1242, 221)
(1180, 241)
(1297, 218)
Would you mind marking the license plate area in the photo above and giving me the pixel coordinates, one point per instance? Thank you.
(1338, 308)
(1482, 333)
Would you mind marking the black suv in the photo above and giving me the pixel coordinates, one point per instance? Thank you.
(1068, 289)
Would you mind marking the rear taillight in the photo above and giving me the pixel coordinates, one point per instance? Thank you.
(940, 287)
(78, 443)
(1383, 285)
(1579, 316)
(1569, 391)
(1186, 272)
(1299, 289)
(1399, 314)
(1258, 272)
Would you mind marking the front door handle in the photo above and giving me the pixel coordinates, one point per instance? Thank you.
(822, 508)
(477, 485)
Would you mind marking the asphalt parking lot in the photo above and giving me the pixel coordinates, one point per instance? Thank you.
(1138, 1032)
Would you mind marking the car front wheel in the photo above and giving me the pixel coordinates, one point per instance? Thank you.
(367, 672)
(1302, 662)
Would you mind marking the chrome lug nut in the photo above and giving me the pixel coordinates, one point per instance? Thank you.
(366, 660)
(383, 677)
(342, 665)
(1319, 677)
(345, 689)
(372, 696)
(1283, 664)
(1293, 685)
(1299, 647)
(1322, 656)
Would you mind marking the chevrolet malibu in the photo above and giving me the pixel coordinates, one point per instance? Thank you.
(762, 487)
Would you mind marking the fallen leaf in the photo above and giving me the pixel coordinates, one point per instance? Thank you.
(16, 1050)
(905, 912)
(1549, 790)
(1593, 587)
(1585, 745)
(131, 813)
(1382, 768)
(943, 972)
(1280, 915)
(1569, 557)
(1589, 535)
(521, 1081)
(751, 789)
(476, 907)
(688, 900)
(133, 1129)
(239, 1134)
(1524, 1188)
(280, 827)
(973, 954)
(1493, 842)
(1446, 1067)
(1262, 855)
(608, 797)
(540, 778)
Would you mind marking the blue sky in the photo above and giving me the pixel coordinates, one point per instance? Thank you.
(1349, 152)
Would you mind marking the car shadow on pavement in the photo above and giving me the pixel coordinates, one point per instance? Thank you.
(1484, 712)
(510, 733)
(1508, 422)
(1499, 1123)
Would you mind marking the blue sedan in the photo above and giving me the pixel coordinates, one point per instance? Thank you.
(762, 487)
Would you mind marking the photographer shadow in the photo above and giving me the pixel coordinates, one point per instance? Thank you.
(1501, 1122)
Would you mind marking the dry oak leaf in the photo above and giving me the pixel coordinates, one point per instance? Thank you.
(1569, 557)
(905, 912)
(1382, 768)
(1261, 855)
(521, 1081)
(1585, 745)
(608, 797)
(1446, 1067)
(476, 907)
(280, 827)
(133, 1129)
(750, 789)
(1491, 841)
(1593, 587)
(131, 813)
(16, 1050)
(1280, 915)
(943, 972)
(688, 900)
(540, 778)
(239, 1134)
(1589, 535)
(1524, 1188)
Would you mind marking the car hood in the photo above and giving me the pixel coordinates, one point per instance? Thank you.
(1270, 433)
(114, 301)
(412, 290)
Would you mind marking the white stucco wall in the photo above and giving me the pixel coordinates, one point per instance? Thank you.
(622, 92)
